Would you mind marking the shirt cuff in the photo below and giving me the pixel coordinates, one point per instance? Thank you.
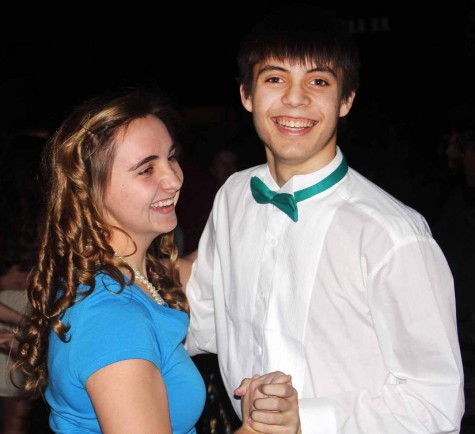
(317, 416)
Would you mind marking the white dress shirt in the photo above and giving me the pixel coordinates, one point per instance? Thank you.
(355, 301)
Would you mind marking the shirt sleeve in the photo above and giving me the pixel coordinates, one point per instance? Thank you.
(111, 330)
(411, 300)
(201, 337)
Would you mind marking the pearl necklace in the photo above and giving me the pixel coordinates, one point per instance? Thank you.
(141, 278)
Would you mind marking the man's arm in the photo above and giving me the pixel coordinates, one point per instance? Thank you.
(410, 297)
(201, 335)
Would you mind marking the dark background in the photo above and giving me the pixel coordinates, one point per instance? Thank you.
(418, 69)
(415, 62)
(417, 75)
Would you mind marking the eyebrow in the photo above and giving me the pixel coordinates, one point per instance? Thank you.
(269, 68)
(173, 148)
(142, 162)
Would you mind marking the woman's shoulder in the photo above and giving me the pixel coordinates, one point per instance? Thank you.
(108, 292)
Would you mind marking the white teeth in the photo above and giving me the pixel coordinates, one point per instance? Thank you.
(162, 203)
(295, 124)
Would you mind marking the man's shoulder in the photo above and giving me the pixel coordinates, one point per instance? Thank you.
(377, 204)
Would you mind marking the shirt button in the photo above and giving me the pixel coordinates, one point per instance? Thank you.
(259, 350)
(273, 241)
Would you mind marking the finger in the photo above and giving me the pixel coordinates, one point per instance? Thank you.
(272, 377)
(283, 425)
(268, 417)
(283, 390)
(245, 408)
(254, 393)
(240, 392)
(272, 429)
(246, 383)
(243, 387)
(270, 404)
(273, 403)
(254, 390)
(281, 378)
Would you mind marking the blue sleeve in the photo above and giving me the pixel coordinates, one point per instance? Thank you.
(110, 328)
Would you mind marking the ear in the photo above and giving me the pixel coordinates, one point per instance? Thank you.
(246, 100)
(345, 105)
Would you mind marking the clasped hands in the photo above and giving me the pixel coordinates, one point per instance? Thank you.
(269, 404)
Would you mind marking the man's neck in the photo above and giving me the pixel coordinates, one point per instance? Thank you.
(283, 170)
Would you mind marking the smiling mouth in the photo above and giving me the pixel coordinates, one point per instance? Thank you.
(163, 203)
(294, 123)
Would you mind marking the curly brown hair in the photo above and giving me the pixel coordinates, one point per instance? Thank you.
(74, 239)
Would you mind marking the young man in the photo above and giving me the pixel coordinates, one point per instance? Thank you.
(333, 280)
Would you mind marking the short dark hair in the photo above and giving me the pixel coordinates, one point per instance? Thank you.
(314, 36)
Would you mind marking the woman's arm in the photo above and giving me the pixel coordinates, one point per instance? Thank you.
(185, 264)
(129, 397)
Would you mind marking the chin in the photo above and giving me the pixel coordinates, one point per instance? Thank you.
(164, 229)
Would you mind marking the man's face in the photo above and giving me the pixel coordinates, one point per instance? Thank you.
(296, 109)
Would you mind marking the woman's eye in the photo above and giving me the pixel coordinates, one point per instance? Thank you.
(173, 157)
(146, 171)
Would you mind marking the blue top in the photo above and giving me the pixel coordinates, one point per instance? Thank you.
(107, 327)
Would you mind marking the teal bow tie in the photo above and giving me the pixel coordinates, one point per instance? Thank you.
(287, 202)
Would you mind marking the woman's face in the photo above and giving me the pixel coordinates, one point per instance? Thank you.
(145, 181)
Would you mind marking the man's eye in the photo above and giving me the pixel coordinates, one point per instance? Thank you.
(319, 82)
(274, 80)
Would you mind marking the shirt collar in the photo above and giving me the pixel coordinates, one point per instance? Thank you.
(298, 182)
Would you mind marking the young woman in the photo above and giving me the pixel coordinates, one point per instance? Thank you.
(108, 318)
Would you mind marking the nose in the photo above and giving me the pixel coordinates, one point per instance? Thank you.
(171, 178)
(295, 95)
